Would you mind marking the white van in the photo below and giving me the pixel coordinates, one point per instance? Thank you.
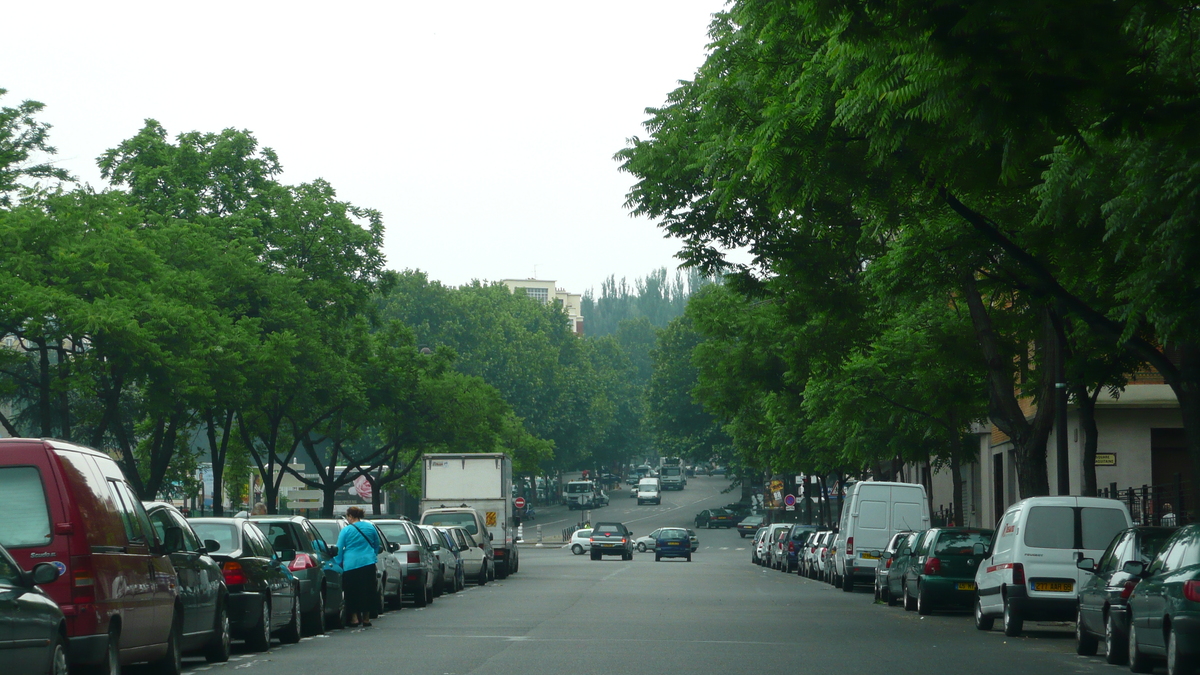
(648, 491)
(871, 514)
(1030, 572)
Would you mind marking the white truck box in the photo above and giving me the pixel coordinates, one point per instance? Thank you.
(481, 481)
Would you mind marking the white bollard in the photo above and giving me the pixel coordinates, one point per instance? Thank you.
(521, 533)
(539, 536)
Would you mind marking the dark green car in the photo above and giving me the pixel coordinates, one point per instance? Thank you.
(942, 568)
(1164, 609)
(34, 635)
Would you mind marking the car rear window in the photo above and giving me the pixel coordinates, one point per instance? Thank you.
(1051, 527)
(607, 529)
(1100, 526)
(26, 519)
(959, 543)
(463, 520)
(673, 534)
(395, 532)
(224, 534)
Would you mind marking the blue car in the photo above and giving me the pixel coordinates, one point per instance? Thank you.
(673, 542)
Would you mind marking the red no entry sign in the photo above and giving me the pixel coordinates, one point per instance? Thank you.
(519, 502)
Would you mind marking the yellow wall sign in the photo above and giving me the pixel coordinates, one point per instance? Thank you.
(491, 518)
(1106, 459)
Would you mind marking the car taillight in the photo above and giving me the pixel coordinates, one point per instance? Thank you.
(591, 540)
(83, 581)
(934, 566)
(887, 564)
(414, 558)
(1018, 571)
(1129, 586)
(302, 561)
(1191, 591)
(849, 545)
(234, 576)
(622, 541)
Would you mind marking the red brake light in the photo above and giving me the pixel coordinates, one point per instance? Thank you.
(414, 558)
(849, 545)
(887, 564)
(1018, 573)
(83, 581)
(1132, 584)
(302, 561)
(791, 547)
(1191, 591)
(934, 566)
(234, 576)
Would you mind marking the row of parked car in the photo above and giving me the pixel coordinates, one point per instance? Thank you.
(101, 579)
(1133, 588)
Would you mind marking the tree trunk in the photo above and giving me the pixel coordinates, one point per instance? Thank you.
(45, 409)
(1086, 403)
(956, 476)
(64, 397)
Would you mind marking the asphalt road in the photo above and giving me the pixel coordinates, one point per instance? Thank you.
(719, 614)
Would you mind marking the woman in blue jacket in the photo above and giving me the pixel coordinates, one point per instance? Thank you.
(358, 545)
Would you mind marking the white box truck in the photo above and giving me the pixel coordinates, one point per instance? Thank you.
(482, 482)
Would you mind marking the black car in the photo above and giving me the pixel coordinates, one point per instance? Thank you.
(710, 518)
(749, 525)
(312, 561)
(201, 584)
(1104, 597)
(263, 594)
(33, 639)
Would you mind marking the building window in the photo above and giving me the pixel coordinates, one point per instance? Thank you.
(540, 294)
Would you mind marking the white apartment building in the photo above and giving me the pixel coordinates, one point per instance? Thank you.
(547, 291)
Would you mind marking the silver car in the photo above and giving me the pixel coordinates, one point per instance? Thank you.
(418, 564)
(474, 556)
(387, 569)
(447, 562)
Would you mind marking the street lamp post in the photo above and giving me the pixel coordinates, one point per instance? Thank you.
(1060, 436)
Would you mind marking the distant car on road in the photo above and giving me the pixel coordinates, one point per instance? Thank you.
(611, 539)
(710, 518)
(749, 525)
(580, 541)
(673, 542)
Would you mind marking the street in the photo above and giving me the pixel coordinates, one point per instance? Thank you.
(718, 614)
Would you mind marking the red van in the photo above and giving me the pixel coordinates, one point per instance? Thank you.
(70, 506)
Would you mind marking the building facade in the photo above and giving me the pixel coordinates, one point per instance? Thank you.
(546, 292)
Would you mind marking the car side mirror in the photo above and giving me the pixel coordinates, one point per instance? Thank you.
(979, 549)
(331, 551)
(1086, 564)
(44, 573)
(211, 546)
(287, 555)
(875, 554)
(393, 547)
(1136, 568)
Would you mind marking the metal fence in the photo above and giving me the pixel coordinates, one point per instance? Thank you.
(1170, 504)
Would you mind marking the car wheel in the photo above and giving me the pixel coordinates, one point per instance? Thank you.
(848, 584)
(59, 664)
(742, 535)
(981, 622)
(595, 556)
(1085, 643)
(708, 526)
(439, 585)
(1178, 663)
(689, 558)
(910, 603)
(314, 620)
(577, 549)
(876, 589)
(1012, 620)
(112, 654)
(657, 557)
(1138, 661)
(641, 547)
(260, 640)
(393, 602)
(219, 646)
(421, 595)
(172, 662)
(923, 607)
(290, 634)
(1115, 649)
(428, 595)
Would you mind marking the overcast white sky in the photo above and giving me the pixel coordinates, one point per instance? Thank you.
(484, 131)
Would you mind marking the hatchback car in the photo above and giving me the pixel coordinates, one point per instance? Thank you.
(458, 579)
(446, 560)
(1164, 608)
(672, 542)
(418, 564)
(1104, 597)
(313, 562)
(885, 564)
(262, 592)
(474, 556)
(794, 546)
(34, 639)
(202, 592)
(581, 541)
(942, 572)
(901, 560)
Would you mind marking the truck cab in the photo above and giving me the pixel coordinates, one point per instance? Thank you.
(581, 494)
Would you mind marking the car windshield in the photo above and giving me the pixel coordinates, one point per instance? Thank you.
(463, 520)
(395, 532)
(576, 488)
(960, 543)
(26, 519)
(224, 534)
(672, 534)
(752, 520)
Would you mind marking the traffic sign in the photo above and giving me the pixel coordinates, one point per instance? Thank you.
(519, 502)
(789, 500)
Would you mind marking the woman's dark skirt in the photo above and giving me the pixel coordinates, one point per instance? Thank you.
(362, 595)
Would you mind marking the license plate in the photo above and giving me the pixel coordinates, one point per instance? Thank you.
(672, 543)
(966, 586)
(610, 545)
(868, 556)
(1054, 586)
